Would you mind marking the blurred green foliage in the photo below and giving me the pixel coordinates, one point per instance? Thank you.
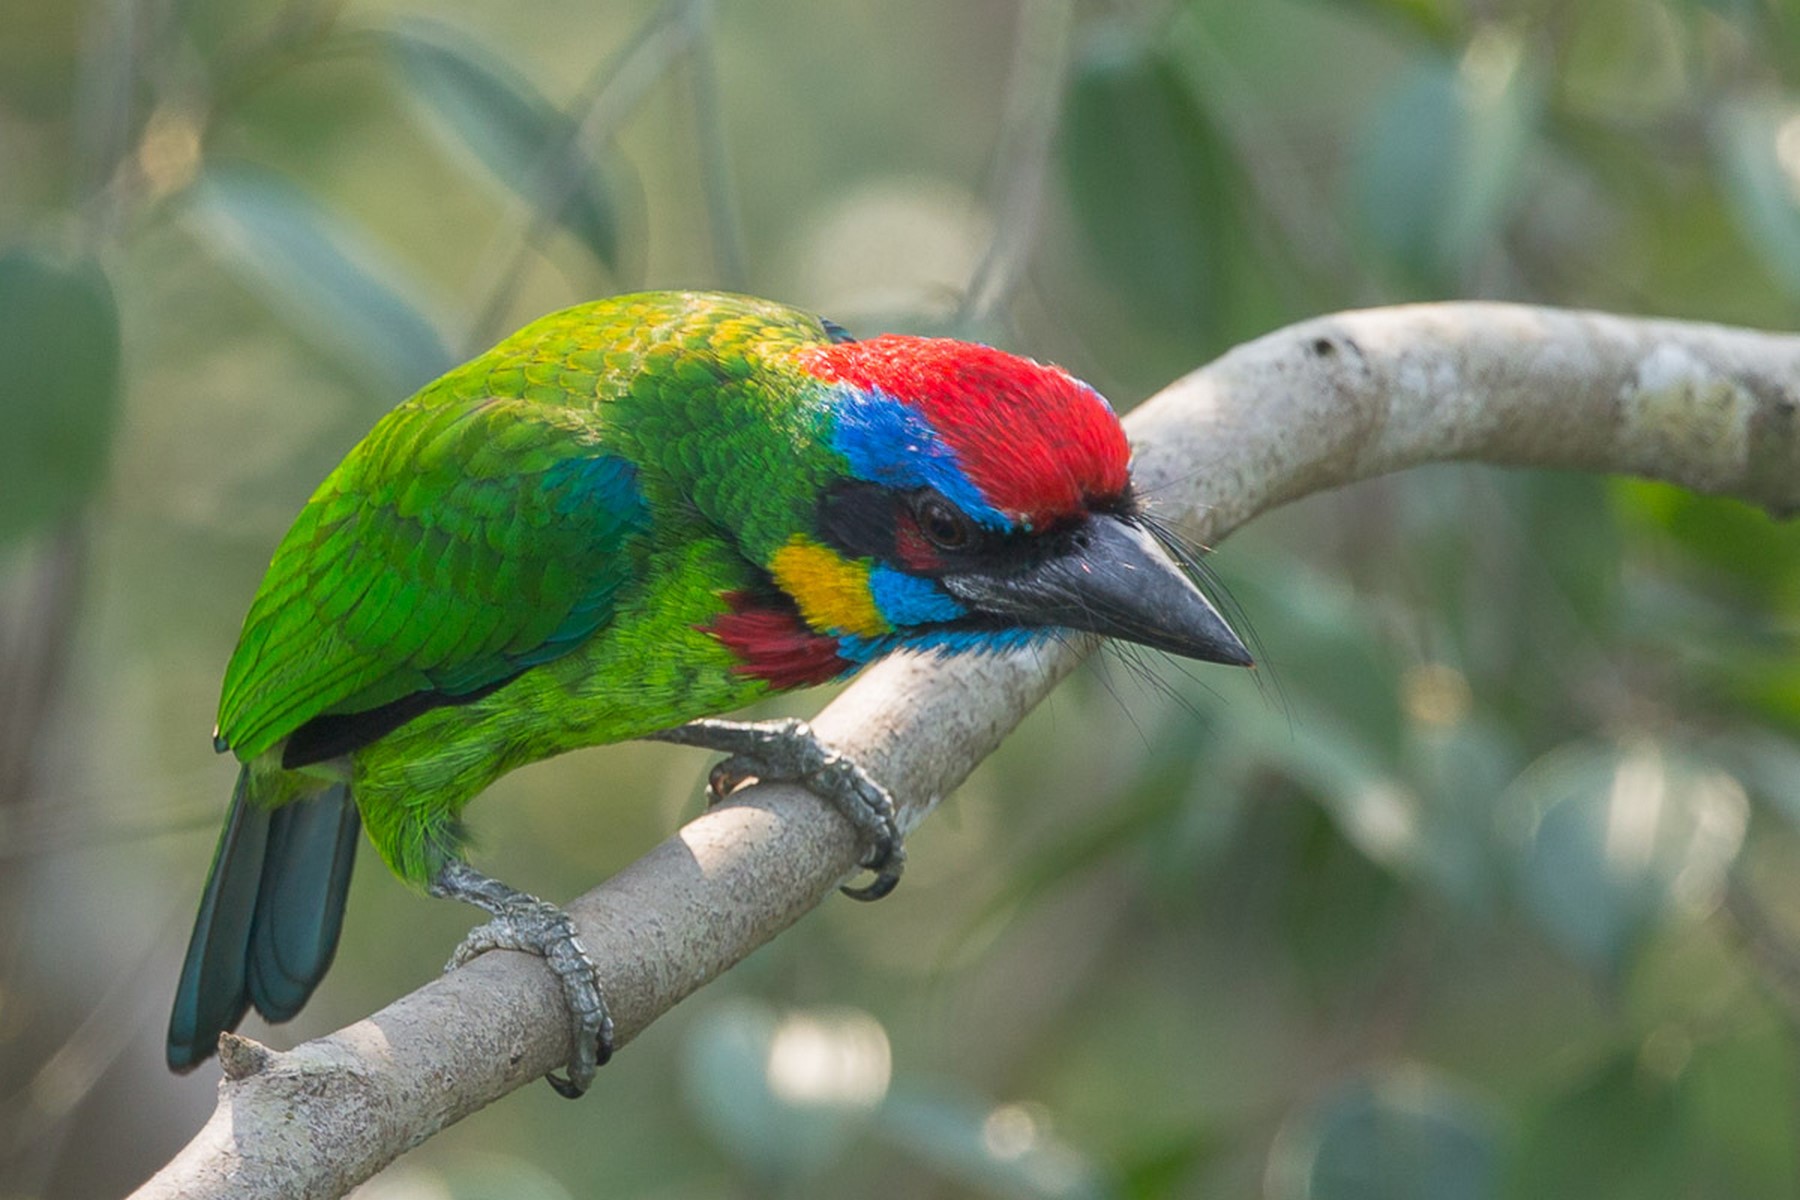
(477, 99)
(59, 355)
(322, 275)
(1483, 886)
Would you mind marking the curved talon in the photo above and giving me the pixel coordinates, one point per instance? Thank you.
(887, 868)
(726, 777)
(787, 749)
(523, 922)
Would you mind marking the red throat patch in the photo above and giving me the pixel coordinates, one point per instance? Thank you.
(1038, 443)
(774, 644)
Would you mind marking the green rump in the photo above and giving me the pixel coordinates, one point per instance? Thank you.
(559, 503)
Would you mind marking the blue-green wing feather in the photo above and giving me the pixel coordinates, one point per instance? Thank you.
(465, 540)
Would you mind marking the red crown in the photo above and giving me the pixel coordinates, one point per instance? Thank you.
(1038, 443)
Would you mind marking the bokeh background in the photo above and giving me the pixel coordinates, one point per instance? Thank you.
(1487, 884)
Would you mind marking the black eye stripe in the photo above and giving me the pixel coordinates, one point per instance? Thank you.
(858, 520)
(865, 520)
(942, 523)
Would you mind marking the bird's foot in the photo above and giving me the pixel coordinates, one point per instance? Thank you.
(523, 922)
(788, 750)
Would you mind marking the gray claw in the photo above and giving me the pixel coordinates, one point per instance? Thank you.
(525, 923)
(789, 750)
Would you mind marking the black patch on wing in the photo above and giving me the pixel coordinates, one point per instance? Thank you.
(837, 333)
(336, 734)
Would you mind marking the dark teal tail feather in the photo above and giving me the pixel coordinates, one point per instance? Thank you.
(306, 877)
(212, 996)
(269, 917)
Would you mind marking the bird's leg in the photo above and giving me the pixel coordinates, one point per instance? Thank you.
(525, 923)
(789, 751)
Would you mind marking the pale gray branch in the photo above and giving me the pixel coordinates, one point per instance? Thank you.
(1308, 408)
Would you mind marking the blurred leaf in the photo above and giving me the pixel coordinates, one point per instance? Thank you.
(477, 100)
(1574, 539)
(1461, 768)
(1746, 13)
(1151, 182)
(784, 1094)
(1312, 620)
(1440, 20)
(1332, 909)
(1119, 827)
(1717, 592)
(59, 355)
(1341, 733)
(1405, 166)
(1162, 1170)
(1754, 143)
(1768, 765)
(1400, 1135)
(1775, 691)
(1615, 1136)
(1140, 817)
(1615, 839)
(1704, 1111)
(1739, 1097)
(1625, 61)
(325, 277)
(1003, 1150)
(1438, 162)
(1739, 542)
(1377, 811)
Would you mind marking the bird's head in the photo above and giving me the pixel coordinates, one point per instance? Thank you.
(979, 497)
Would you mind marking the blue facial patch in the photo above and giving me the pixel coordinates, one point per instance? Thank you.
(944, 642)
(889, 443)
(909, 599)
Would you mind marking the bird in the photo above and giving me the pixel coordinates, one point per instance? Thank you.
(623, 521)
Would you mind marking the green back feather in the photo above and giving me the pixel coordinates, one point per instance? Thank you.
(544, 532)
(491, 522)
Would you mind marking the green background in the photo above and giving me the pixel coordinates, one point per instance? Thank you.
(1483, 885)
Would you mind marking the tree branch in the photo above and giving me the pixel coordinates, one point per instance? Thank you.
(1308, 408)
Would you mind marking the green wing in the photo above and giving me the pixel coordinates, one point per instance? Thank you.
(464, 540)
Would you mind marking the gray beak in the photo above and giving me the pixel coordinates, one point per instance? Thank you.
(1114, 580)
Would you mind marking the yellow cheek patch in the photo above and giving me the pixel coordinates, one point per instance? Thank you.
(832, 593)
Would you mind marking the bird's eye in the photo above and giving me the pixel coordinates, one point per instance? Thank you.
(942, 523)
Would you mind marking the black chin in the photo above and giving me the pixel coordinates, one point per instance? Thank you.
(1114, 579)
